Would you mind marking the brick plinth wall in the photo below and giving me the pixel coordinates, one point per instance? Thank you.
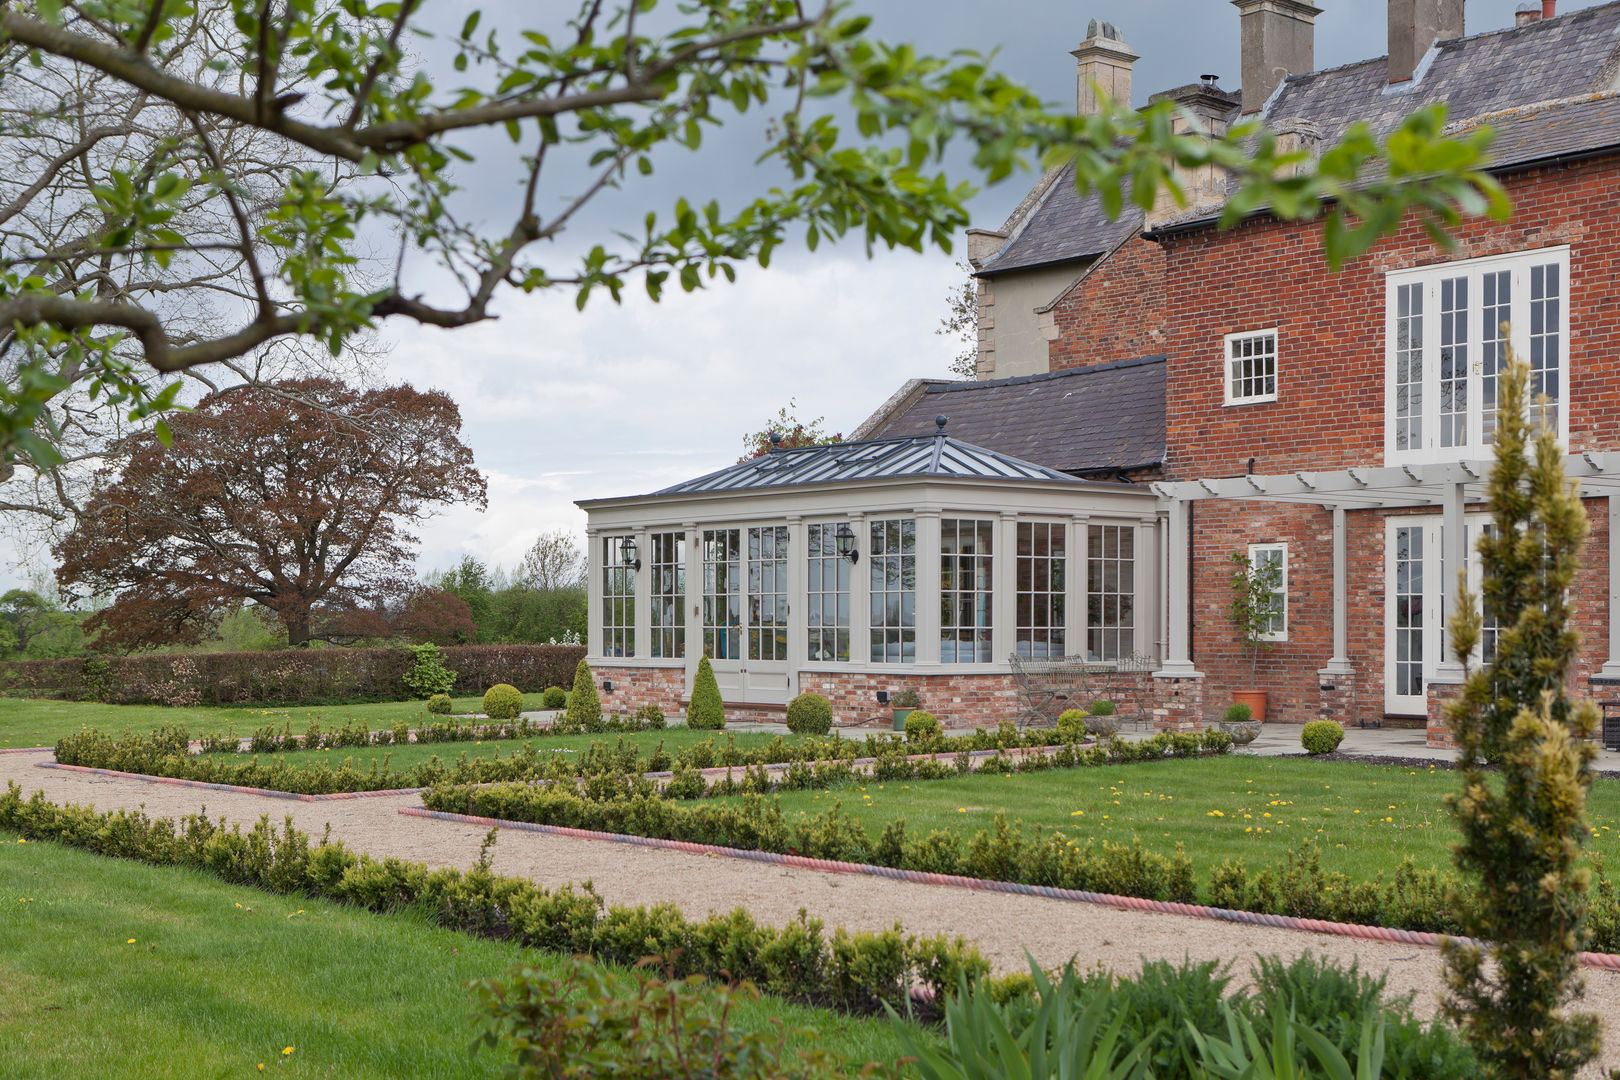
(634, 687)
(1337, 698)
(1439, 731)
(1179, 704)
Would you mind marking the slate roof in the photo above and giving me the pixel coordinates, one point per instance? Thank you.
(1100, 418)
(932, 456)
(1548, 89)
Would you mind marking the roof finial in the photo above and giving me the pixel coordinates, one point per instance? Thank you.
(940, 421)
(776, 441)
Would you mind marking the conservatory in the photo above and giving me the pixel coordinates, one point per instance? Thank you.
(861, 569)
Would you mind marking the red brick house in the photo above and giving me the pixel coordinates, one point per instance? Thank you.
(1336, 425)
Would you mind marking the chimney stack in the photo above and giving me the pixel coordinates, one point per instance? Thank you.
(1105, 60)
(1414, 25)
(1279, 40)
(1527, 14)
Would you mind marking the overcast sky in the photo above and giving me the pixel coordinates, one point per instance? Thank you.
(560, 405)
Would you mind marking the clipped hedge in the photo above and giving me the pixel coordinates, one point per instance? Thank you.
(852, 971)
(284, 677)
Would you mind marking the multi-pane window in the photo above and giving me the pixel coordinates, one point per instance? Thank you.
(1447, 347)
(893, 580)
(1407, 611)
(668, 594)
(1273, 557)
(618, 600)
(828, 594)
(722, 599)
(768, 593)
(1042, 584)
(965, 553)
(1111, 592)
(1251, 367)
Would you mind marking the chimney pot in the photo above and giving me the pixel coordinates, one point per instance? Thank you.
(1103, 68)
(1279, 40)
(1414, 25)
(1549, 9)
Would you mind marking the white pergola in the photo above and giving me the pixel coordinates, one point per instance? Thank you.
(1450, 486)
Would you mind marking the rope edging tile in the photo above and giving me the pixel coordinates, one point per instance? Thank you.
(28, 750)
(233, 788)
(1605, 961)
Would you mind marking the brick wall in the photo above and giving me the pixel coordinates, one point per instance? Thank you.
(634, 687)
(1116, 312)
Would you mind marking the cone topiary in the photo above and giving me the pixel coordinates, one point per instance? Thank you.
(706, 711)
(503, 701)
(809, 714)
(584, 707)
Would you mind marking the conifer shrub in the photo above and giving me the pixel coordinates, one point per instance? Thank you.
(706, 712)
(923, 727)
(584, 707)
(1071, 726)
(809, 714)
(439, 705)
(554, 697)
(503, 701)
(1321, 737)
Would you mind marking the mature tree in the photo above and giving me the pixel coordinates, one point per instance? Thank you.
(621, 84)
(298, 497)
(961, 324)
(34, 627)
(785, 431)
(471, 581)
(554, 561)
(437, 617)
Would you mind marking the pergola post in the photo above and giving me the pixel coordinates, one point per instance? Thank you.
(1339, 662)
(1453, 557)
(1178, 645)
(1611, 666)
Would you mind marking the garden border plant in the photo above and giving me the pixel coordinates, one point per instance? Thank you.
(854, 972)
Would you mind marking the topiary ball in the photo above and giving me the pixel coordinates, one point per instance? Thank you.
(439, 705)
(922, 726)
(503, 701)
(809, 714)
(1321, 737)
(1071, 725)
(705, 712)
(555, 697)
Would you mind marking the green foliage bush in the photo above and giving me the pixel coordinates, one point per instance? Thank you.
(428, 675)
(809, 714)
(584, 707)
(554, 697)
(705, 712)
(923, 727)
(503, 702)
(1071, 726)
(797, 961)
(648, 718)
(439, 705)
(1102, 707)
(1321, 737)
(1237, 713)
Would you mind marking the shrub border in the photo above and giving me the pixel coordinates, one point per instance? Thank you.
(1604, 961)
(232, 788)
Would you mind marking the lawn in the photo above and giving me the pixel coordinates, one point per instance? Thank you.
(119, 970)
(402, 758)
(1364, 818)
(40, 722)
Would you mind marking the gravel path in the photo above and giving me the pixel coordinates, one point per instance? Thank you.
(1003, 926)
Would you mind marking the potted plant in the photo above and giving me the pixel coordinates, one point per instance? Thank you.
(903, 703)
(1254, 593)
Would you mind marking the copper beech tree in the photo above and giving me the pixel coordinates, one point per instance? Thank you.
(299, 497)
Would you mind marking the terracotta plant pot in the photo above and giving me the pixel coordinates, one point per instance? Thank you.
(1255, 700)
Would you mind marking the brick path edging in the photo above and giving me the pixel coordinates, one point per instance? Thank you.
(29, 750)
(1606, 961)
(235, 788)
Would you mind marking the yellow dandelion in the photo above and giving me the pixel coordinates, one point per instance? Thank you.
(1082, 813)
(261, 1066)
(286, 1050)
(131, 941)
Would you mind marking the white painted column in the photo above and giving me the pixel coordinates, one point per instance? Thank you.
(860, 594)
(1004, 581)
(1454, 538)
(1339, 662)
(694, 600)
(593, 592)
(1078, 550)
(1611, 667)
(928, 626)
(1147, 587)
(643, 598)
(798, 602)
(1178, 643)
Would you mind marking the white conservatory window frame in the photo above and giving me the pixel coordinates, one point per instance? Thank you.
(1428, 280)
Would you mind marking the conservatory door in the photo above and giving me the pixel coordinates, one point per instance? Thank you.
(1416, 579)
(722, 610)
(745, 612)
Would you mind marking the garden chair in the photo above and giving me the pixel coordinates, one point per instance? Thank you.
(1048, 687)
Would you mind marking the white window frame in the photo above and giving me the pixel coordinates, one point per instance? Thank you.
(1229, 377)
(1429, 278)
(1281, 547)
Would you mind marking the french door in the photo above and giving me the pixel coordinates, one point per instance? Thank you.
(1416, 579)
(745, 612)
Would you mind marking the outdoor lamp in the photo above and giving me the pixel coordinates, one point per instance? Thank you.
(627, 553)
(846, 543)
(882, 697)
